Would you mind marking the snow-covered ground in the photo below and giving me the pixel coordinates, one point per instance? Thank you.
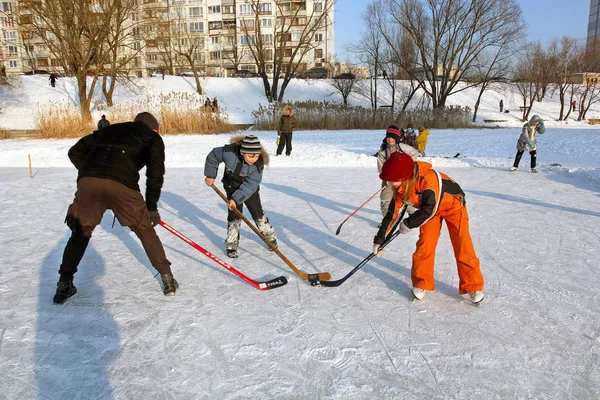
(238, 97)
(535, 336)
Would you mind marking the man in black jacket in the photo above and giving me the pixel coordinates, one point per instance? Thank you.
(109, 161)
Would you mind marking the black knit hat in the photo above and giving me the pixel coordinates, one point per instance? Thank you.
(393, 132)
(251, 145)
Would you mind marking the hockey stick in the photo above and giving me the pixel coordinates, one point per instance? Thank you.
(355, 211)
(392, 236)
(272, 284)
(321, 276)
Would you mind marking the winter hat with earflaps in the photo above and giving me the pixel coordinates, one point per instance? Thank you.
(251, 145)
(393, 132)
(398, 167)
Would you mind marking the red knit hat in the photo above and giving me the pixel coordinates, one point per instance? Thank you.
(398, 167)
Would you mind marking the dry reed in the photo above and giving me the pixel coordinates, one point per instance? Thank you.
(335, 116)
(178, 113)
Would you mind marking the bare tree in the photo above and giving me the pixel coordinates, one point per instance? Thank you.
(492, 68)
(563, 54)
(120, 36)
(589, 90)
(76, 33)
(524, 78)
(188, 45)
(279, 50)
(232, 52)
(370, 49)
(344, 83)
(449, 36)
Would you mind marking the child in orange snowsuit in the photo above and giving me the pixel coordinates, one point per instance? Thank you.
(437, 198)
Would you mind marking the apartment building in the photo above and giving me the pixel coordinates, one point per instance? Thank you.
(213, 37)
(593, 34)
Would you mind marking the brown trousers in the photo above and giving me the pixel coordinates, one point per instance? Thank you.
(93, 197)
(469, 272)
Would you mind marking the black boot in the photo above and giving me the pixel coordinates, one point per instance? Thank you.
(232, 253)
(170, 284)
(64, 290)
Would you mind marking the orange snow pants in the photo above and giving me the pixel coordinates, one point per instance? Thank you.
(469, 273)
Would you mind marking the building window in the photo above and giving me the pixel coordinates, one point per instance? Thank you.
(318, 7)
(266, 23)
(55, 62)
(318, 37)
(299, 21)
(246, 9)
(12, 50)
(216, 25)
(152, 57)
(196, 26)
(318, 53)
(214, 40)
(264, 8)
(214, 9)
(215, 55)
(42, 62)
(8, 22)
(228, 9)
(247, 24)
(11, 36)
(195, 12)
(6, 6)
(247, 39)
(296, 37)
(267, 39)
(13, 63)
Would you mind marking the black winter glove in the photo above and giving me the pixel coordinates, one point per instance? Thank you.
(154, 218)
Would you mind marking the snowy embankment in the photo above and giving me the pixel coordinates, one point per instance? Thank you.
(238, 97)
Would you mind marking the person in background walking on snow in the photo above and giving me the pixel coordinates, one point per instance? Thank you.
(103, 122)
(437, 198)
(244, 160)
(527, 141)
(501, 105)
(391, 143)
(215, 104)
(422, 140)
(109, 161)
(53, 79)
(285, 128)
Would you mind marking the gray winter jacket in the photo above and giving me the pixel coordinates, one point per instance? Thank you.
(527, 140)
(386, 150)
(239, 175)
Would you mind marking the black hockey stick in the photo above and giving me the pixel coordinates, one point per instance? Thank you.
(392, 236)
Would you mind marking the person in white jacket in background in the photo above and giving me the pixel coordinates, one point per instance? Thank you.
(527, 141)
(391, 143)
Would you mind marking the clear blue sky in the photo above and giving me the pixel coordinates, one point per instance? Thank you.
(545, 19)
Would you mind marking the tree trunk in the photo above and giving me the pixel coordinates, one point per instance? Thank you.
(108, 92)
(84, 99)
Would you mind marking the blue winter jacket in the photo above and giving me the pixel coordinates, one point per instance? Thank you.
(239, 177)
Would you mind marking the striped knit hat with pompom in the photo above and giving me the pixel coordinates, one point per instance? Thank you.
(251, 145)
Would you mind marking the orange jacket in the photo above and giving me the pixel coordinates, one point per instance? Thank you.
(433, 193)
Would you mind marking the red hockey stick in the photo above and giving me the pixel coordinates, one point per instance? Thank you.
(272, 284)
(355, 211)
